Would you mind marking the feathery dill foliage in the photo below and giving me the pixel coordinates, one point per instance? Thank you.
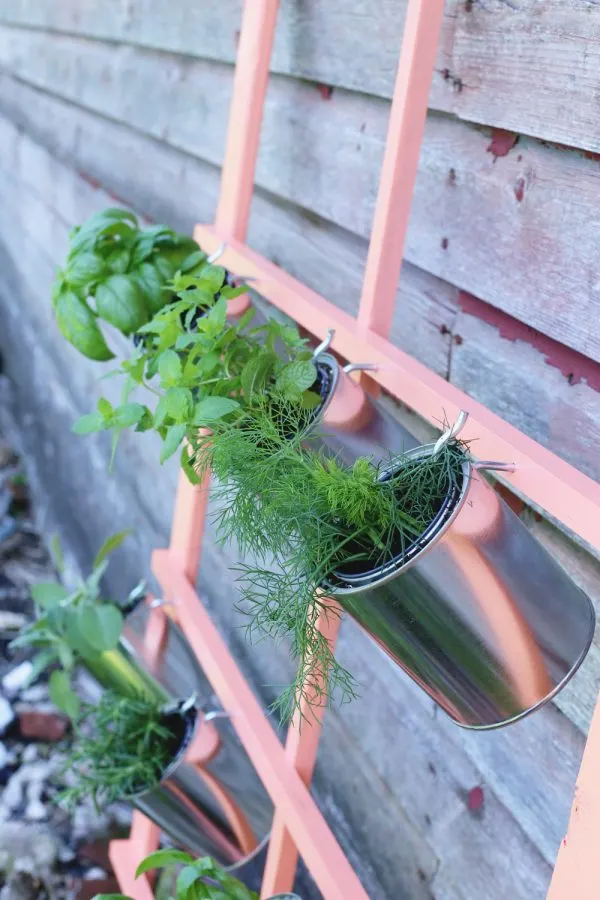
(303, 516)
(122, 747)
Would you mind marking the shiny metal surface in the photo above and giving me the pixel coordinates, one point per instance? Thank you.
(184, 808)
(480, 616)
(352, 424)
(123, 671)
(229, 771)
(175, 667)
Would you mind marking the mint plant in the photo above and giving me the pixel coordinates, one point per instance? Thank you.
(198, 879)
(116, 272)
(203, 368)
(73, 625)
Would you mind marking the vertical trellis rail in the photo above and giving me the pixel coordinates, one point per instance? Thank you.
(544, 478)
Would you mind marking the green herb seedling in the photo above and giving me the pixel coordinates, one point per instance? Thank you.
(116, 272)
(198, 879)
(122, 746)
(73, 625)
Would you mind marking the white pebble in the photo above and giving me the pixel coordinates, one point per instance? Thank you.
(12, 796)
(30, 753)
(35, 694)
(17, 678)
(7, 715)
(95, 874)
(36, 811)
(11, 621)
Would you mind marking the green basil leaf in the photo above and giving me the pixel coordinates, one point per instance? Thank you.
(257, 372)
(100, 626)
(110, 544)
(175, 435)
(111, 897)
(149, 279)
(127, 415)
(246, 318)
(75, 638)
(186, 878)
(57, 554)
(188, 468)
(120, 301)
(119, 260)
(197, 259)
(310, 400)
(78, 325)
(147, 240)
(213, 408)
(47, 594)
(163, 267)
(84, 236)
(179, 403)
(62, 694)
(84, 269)
(39, 664)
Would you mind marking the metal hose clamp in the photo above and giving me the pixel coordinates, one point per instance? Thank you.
(324, 345)
(451, 432)
(217, 254)
(360, 367)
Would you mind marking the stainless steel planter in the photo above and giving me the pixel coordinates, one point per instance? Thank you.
(174, 664)
(476, 612)
(121, 670)
(226, 783)
(353, 424)
(182, 805)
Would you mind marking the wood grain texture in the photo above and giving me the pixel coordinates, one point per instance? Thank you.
(525, 798)
(501, 373)
(526, 66)
(517, 231)
(517, 382)
(408, 746)
(183, 190)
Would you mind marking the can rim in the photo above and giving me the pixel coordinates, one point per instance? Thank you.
(432, 534)
(188, 712)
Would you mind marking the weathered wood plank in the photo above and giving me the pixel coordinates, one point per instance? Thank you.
(516, 381)
(530, 67)
(409, 747)
(328, 259)
(345, 43)
(517, 231)
(183, 190)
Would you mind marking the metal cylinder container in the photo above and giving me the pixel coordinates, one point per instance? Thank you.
(476, 611)
(153, 657)
(349, 423)
(182, 804)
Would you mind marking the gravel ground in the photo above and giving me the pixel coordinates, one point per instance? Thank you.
(45, 851)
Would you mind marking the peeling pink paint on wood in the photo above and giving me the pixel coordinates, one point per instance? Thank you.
(325, 91)
(574, 366)
(520, 189)
(502, 142)
(475, 799)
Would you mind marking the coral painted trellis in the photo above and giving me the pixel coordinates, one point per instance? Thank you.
(546, 480)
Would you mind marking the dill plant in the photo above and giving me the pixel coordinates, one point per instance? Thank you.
(303, 517)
